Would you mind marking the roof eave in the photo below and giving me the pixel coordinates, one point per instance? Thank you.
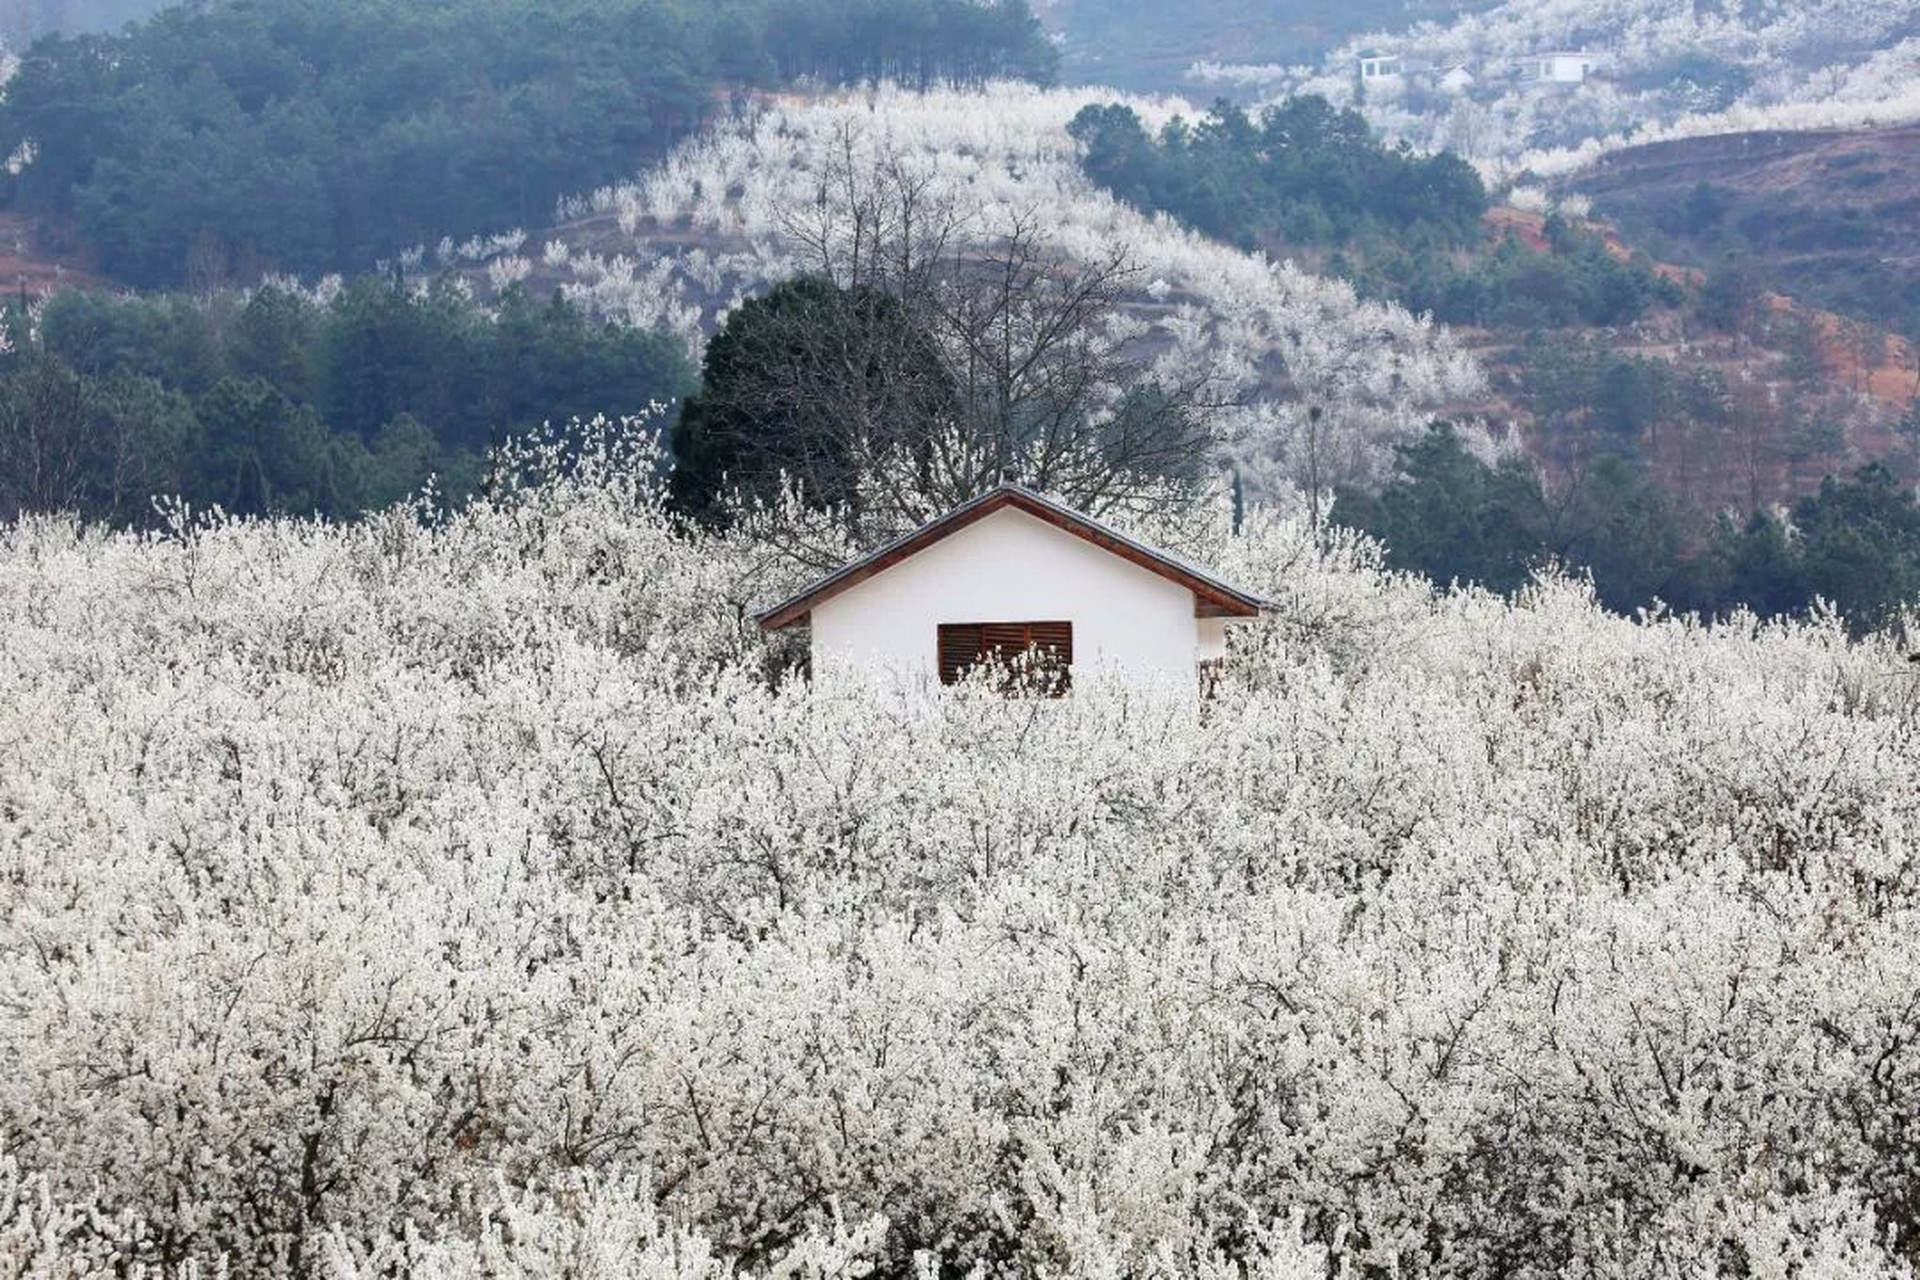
(771, 621)
(1237, 611)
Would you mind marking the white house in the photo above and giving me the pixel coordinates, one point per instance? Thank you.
(1014, 573)
(1457, 78)
(1379, 67)
(1557, 67)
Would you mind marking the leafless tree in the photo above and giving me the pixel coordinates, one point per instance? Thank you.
(1759, 425)
(66, 445)
(954, 352)
(47, 442)
(1867, 344)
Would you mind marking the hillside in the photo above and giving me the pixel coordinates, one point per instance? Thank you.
(1653, 69)
(1596, 346)
(728, 213)
(1812, 393)
(685, 242)
(682, 244)
(1727, 396)
(1830, 216)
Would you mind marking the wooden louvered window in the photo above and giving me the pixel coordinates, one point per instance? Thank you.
(1030, 654)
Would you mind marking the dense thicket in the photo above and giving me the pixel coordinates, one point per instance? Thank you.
(1575, 280)
(1854, 545)
(1302, 172)
(277, 401)
(321, 134)
(457, 898)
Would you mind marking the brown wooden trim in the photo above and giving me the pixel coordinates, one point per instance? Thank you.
(1202, 589)
(961, 646)
(1221, 602)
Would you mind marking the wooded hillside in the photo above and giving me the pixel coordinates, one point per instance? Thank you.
(309, 135)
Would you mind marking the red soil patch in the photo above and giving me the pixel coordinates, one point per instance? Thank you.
(1893, 377)
(1531, 228)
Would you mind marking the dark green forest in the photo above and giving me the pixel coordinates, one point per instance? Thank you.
(1304, 172)
(276, 402)
(230, 139)
(1454, 518)
(1305, 175)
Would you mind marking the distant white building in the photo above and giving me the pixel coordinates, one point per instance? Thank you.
(1379, 67)
(1555, 67)
(1015, 576)
(1456, 79)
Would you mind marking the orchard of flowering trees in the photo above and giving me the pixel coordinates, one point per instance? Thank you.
(475, 893)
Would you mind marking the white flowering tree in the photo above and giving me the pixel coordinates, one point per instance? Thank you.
(458, 894)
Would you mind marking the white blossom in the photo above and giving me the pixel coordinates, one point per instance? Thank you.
(467, 893)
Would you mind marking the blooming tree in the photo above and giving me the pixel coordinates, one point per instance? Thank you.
(461, 893)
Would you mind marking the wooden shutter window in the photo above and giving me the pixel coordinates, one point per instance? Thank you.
(1046, 647)
(960, 648)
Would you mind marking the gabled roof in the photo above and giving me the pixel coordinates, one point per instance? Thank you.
(1213, 598)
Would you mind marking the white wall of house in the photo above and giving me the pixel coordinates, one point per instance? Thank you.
(1011, 567)
(1557, 68)
(1212, 637)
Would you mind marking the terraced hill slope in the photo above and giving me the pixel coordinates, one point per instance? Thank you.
(1832, 217)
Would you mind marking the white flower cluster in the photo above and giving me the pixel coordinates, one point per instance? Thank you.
(457, 895)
